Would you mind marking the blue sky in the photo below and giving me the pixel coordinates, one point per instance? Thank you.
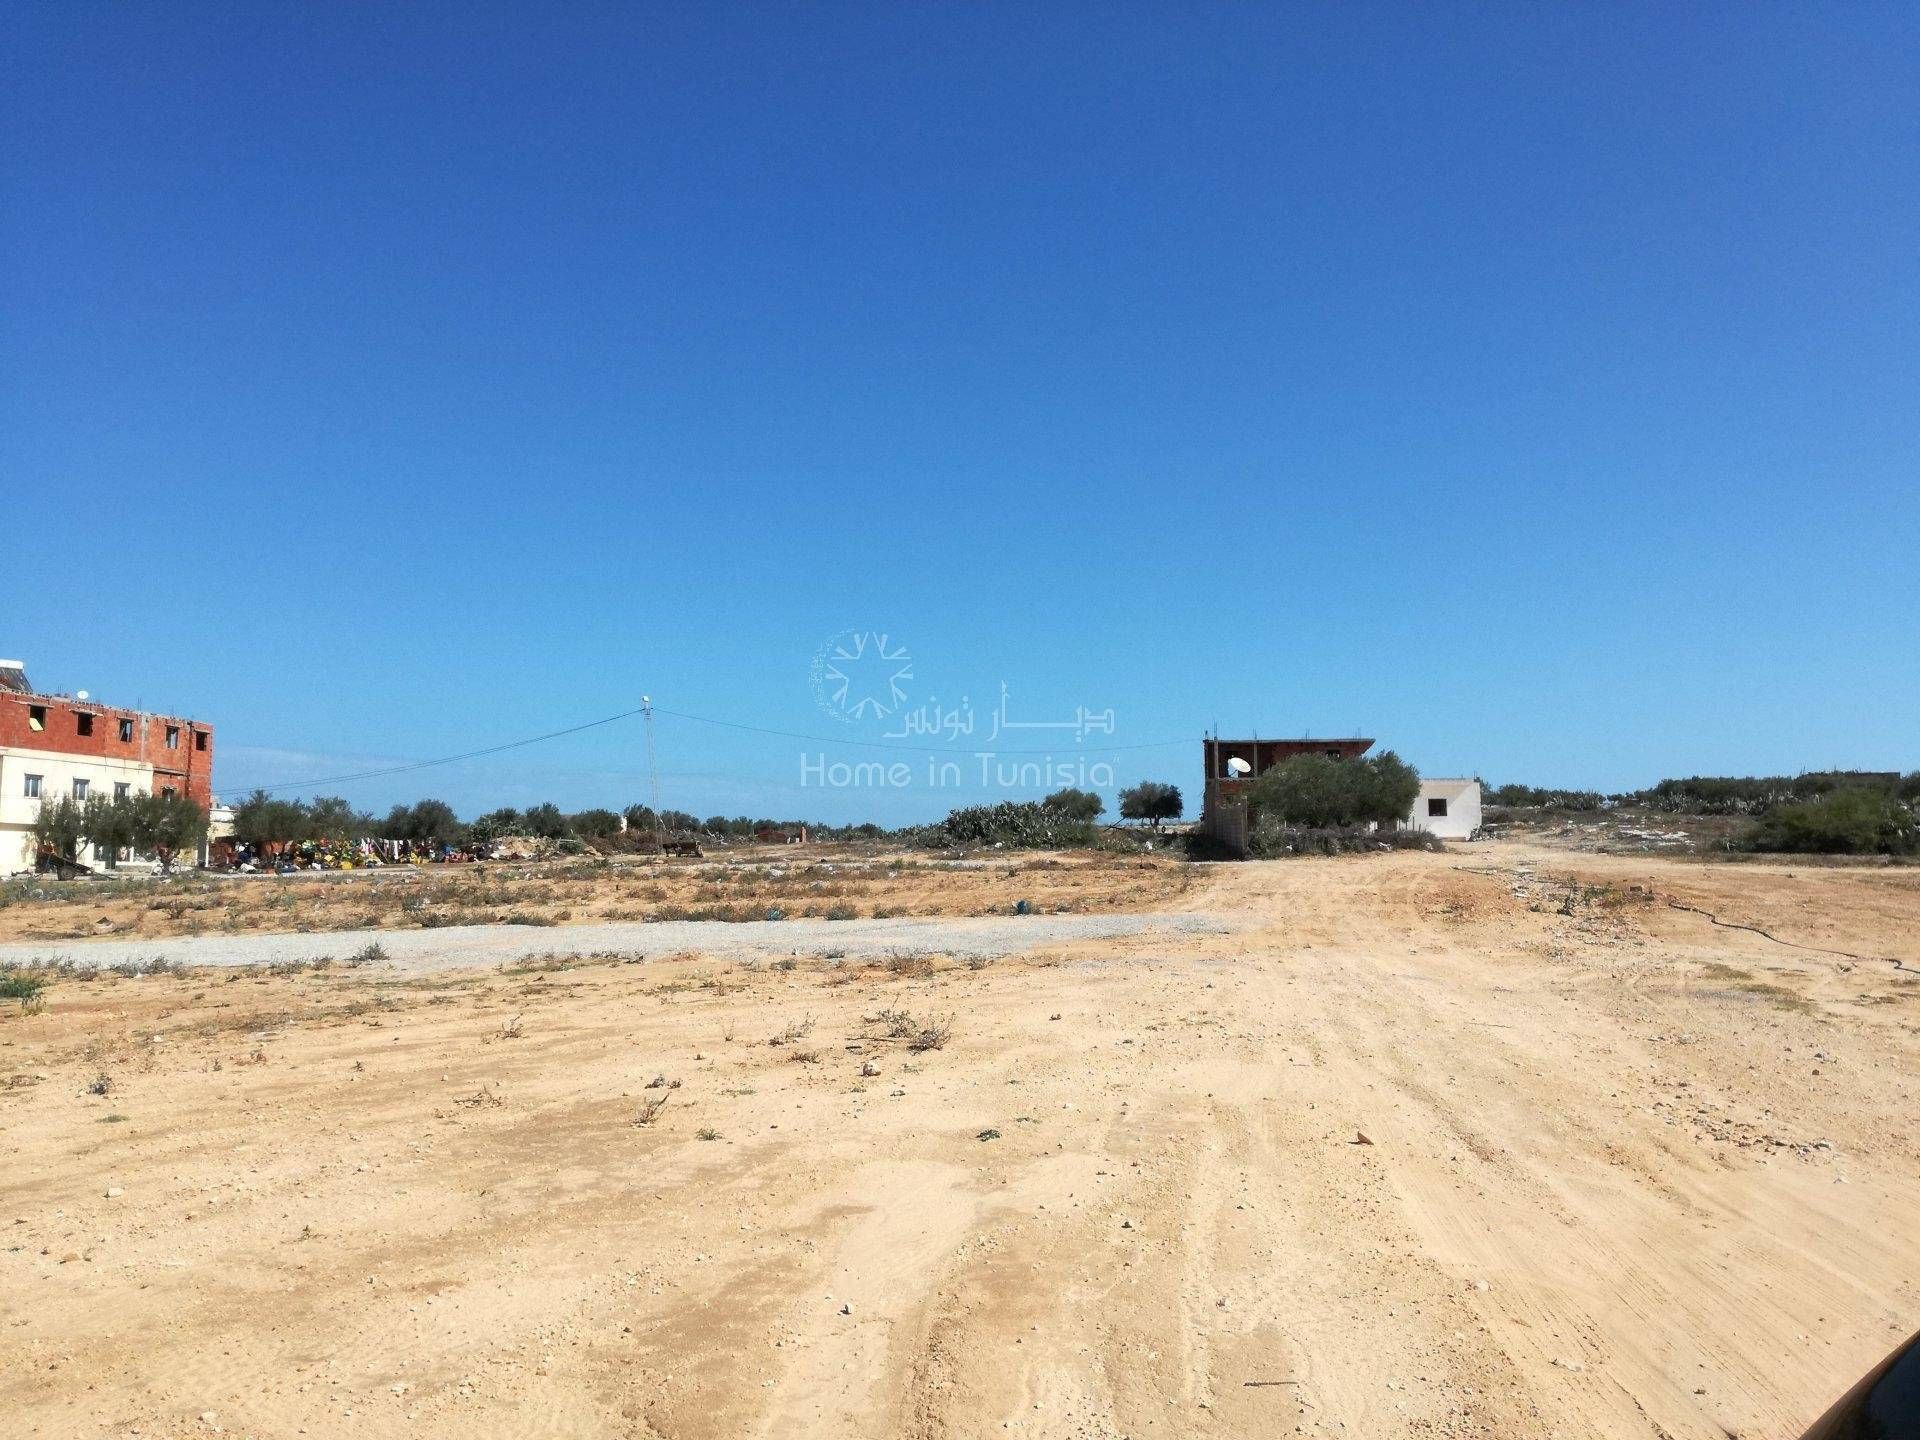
(1531, 388)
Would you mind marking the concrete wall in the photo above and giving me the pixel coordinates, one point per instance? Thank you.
(1225, 819)
(1461, 799)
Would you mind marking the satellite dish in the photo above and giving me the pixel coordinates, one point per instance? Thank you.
(1237, 767)
(80, 695)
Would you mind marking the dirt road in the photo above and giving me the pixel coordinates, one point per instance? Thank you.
(1625, 1172)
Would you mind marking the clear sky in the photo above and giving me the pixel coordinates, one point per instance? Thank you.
(1532, 388)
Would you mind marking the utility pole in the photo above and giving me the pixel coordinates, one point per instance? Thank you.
(653, 770)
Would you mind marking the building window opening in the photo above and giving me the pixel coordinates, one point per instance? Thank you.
(1437, 808)
(82, 722)
(33, 786)
(80, 788)
(126, 732)
(173, 737)
(200, 740)
(37, 717)
(121, 789)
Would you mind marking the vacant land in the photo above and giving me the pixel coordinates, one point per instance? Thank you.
(1499, 1142)
(819, 882)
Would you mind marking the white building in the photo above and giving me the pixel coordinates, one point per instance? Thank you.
(1447, 808)
(28, 775)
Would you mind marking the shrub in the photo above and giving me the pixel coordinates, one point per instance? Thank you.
(496, 823)
(594, 824)
(1199, 844)
(1079, 804)
(1517, 796)
(1759, 794)
(1847, 822)
(933, 1034)
(1272, 840)
(19, 985)
(1017, 824)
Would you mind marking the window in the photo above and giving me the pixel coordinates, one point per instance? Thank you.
(33, 786)
(173, 737)
(99, 854)
(126, 732)
(37, 717)
(1437, 808)
(80, 789)
(120, 789)
(199, 739)
(167, 790)
(1336, 755)
(82, 723)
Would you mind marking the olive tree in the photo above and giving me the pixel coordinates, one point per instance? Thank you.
(59, 827)
(166, 826)
(262, 820)
(109, 824)
(1319, 792)
(1152, 800)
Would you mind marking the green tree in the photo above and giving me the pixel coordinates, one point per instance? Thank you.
(166, 826)
(1322, 793)
(545, 822)
(330, 817)
(430, 822)
(594, 824)
(1153, 800)
(1080, 804)
(58, 828)
(109, 824)
(641, 818)
(262, 820)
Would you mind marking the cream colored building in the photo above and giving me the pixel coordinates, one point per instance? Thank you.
(1447, 808)
(28, 776)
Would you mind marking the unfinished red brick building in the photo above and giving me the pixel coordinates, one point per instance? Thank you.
(75, 746)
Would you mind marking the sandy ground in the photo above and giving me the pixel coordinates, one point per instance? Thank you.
(1627, 1172)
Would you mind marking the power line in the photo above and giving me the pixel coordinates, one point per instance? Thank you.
(895, 745)
(443, 760)
(678, 715)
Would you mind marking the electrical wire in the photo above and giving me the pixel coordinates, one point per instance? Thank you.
(443, 760)
(678, 715)
(896, 745)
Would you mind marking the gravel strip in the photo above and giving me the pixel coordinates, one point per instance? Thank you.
(454, 946)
